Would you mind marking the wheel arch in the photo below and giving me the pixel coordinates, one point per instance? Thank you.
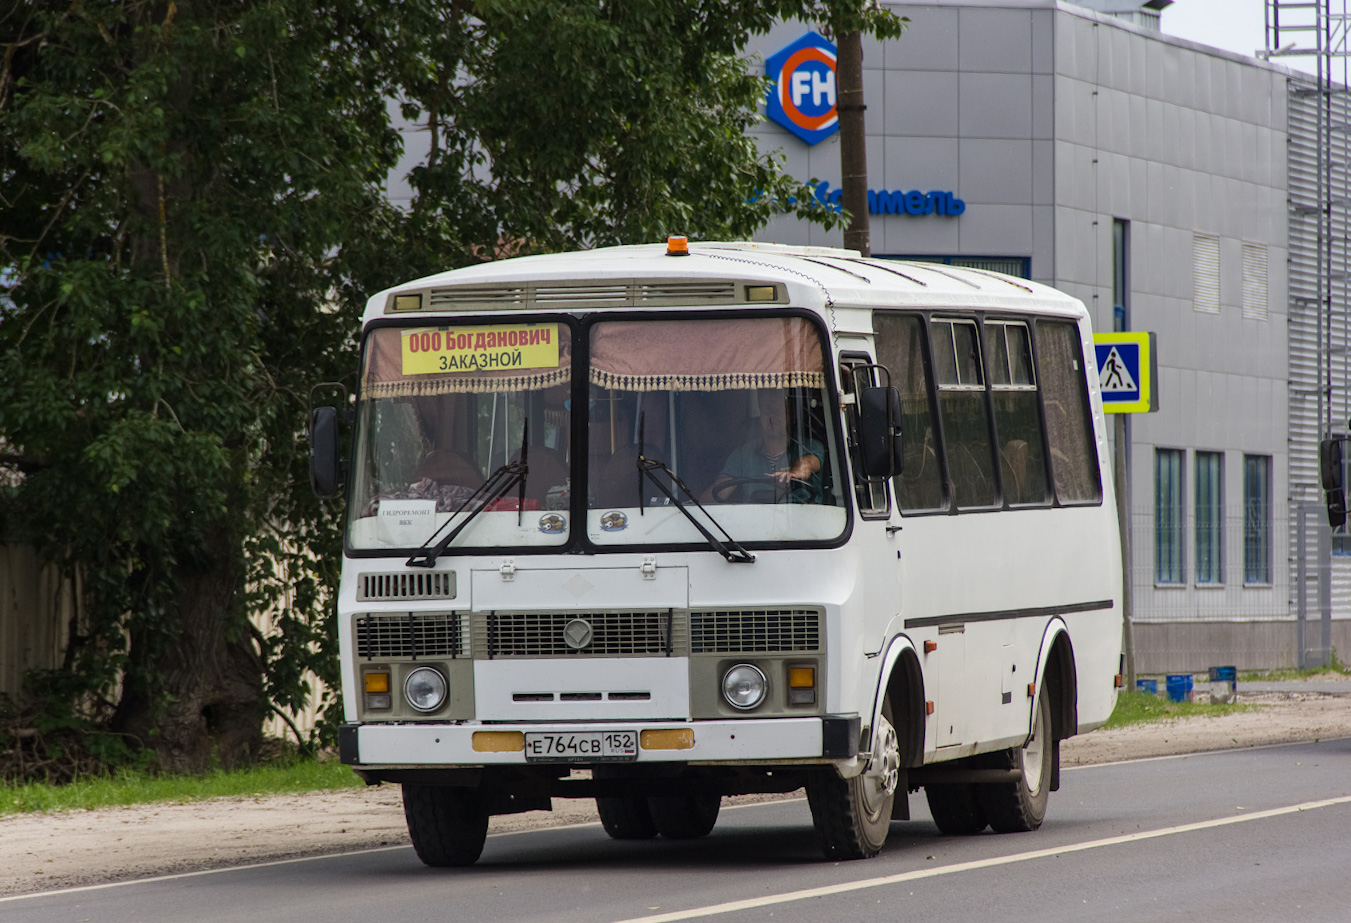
(903, 679)
(1059, 679)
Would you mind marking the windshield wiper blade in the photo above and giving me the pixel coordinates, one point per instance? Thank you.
(647, 467)
(490, 491)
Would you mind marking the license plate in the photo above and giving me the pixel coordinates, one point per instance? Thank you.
(581, 747)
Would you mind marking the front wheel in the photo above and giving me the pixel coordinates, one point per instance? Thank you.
(1019, 807)
(447, 825)
(853, 816)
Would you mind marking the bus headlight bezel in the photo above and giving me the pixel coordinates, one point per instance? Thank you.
(428, 686)
(747, 678)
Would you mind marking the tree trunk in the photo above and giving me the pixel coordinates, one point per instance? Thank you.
(207, 705)
(853, 139)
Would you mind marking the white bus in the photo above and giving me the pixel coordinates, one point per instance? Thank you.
(659, 524)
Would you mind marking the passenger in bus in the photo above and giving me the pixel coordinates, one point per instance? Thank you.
(773, 466)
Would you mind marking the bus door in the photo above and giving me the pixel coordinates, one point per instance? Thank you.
(877, 533)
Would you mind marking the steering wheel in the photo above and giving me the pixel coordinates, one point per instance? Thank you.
(729, 491)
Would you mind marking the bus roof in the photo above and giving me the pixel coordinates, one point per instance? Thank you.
(712, 275)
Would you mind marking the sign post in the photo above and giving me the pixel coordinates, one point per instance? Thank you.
(1127, 371)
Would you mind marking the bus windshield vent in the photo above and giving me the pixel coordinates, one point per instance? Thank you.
(426, 585)
(737, 631)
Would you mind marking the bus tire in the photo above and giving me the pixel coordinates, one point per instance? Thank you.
(447, 825)
(626, 817)
(955, 808)
(1020, 807)
(685, 817)
(853, 816)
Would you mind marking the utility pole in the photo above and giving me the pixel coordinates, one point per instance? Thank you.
(853, 139)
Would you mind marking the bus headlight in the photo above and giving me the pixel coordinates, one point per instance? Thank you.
(425, 689)
(744, 686)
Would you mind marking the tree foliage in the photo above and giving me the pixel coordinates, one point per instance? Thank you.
(191, 213)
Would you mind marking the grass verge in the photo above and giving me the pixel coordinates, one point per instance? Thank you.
(1143, 708)
(128, 788)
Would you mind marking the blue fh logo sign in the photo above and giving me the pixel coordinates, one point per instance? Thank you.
(802, 98)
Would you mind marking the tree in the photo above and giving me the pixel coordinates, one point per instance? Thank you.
(176, 180)
(191, 213)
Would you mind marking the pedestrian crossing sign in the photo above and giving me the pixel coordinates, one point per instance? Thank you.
(1126, 372)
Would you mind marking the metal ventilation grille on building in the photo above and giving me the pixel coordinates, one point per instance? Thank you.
(1206, 273)
(424, 585)
(755, 631)
(410, 635)
(546, 634)
(1255, 281)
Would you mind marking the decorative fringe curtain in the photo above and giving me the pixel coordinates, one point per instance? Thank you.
(384, 375)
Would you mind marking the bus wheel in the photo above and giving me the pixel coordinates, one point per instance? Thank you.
(955, 808)
(1018, 807)
(626, 817)
(685, 817)
(447, 825)
(854, 815)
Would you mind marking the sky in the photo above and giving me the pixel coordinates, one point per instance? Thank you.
(1235, 25)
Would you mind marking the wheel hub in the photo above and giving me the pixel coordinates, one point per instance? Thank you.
(884, 768)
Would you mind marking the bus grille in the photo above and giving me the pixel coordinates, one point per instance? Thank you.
(754, 631)
(542, 634)
(411, 635)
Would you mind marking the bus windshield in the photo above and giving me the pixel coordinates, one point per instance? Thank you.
(730, 417)
(442, 410)
(733, 409)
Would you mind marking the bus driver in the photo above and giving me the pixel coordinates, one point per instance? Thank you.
(773, 466)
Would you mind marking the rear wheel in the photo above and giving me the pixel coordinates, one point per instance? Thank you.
(684, 817)
(1018, 807)
(853, 816)
(955, 808)
(626, 817)
(447, 825)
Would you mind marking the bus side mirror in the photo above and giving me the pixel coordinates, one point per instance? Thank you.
(1330, 468)
(879, 432)
(325, 457)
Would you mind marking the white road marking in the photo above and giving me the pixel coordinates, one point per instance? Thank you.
(845, 887)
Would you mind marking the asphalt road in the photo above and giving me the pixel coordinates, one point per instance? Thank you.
(1250, 835)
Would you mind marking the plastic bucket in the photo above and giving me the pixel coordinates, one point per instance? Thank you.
(1147, 685)
(1223, 685)
(1179, 687)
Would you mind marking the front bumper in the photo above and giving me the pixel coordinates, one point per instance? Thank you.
(746, 741)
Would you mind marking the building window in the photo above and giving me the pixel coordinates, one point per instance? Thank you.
(1121, 236)
(1257, 519)
(1255, 281)
(1168, 535)
(1206, 273)
(1209, 517)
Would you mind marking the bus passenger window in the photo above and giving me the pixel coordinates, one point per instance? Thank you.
(1017, 414)
(966, 423)
(900, 347)
(1069, 428)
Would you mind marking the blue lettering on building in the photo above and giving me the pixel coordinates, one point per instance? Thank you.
(897, 202)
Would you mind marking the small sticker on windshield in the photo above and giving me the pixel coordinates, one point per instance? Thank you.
(552, 523)
(614, 521)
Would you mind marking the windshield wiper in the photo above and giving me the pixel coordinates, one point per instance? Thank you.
(648, 467)
(499, 482)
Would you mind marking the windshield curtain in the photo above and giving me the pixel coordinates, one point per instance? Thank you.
(736, 408)
(442, 409)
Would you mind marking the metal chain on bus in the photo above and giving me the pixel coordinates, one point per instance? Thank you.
(830, 302)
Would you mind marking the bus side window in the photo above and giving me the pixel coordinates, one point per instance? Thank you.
(964, 412)
(900, 347)
(1069, 427)
(1017, 413)
(856, 372)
